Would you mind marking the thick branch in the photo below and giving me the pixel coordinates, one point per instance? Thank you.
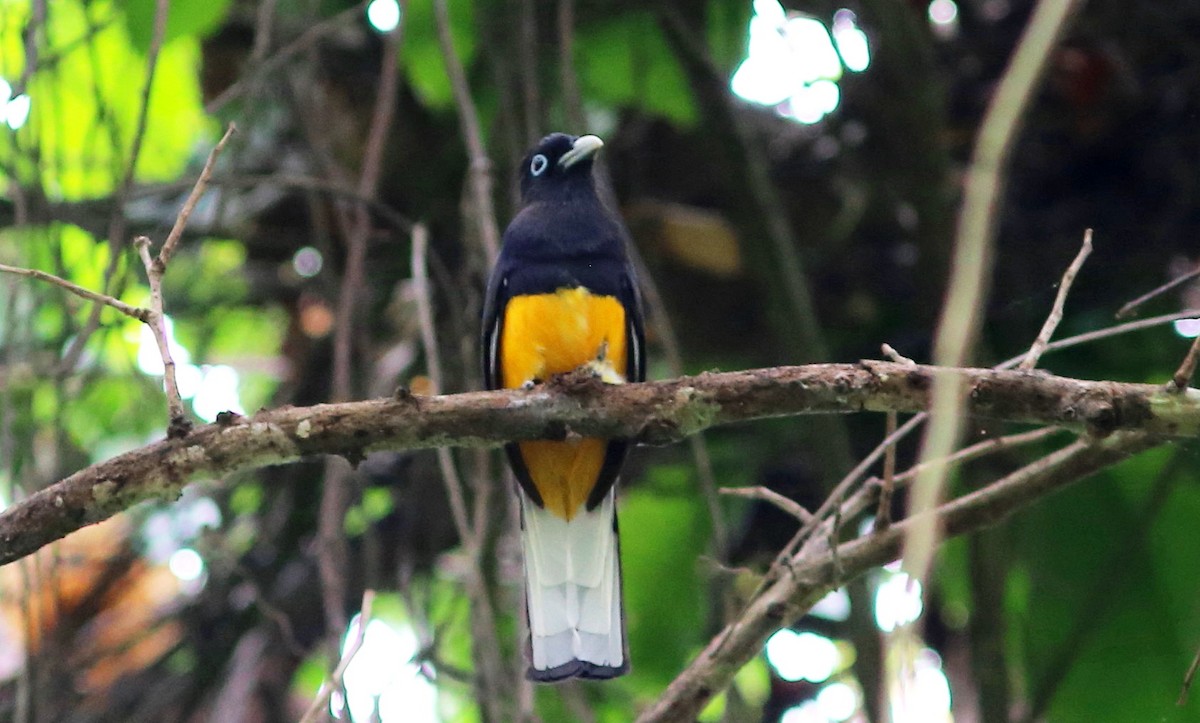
(651, 413)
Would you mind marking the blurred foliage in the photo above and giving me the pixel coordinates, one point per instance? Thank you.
(88, 100)
(424, 65)
(624, 61)
(1098, 612)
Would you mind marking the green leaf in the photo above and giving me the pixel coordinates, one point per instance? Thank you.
(309, 676)
(377, 503)
(85, 107)
(113, 406)
(753, 682)
(664, 533)
(728, 26)
(184, 17)
(246, 499)
(626, 61)
(1107, 611)
(424, 64)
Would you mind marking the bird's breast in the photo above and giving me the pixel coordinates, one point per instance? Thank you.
(553, 333)
(557, 332)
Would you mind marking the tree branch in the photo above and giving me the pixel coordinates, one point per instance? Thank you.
(974, 237)
(650, 413)
(135, 312)
(479, 170)
(1056, 311)
(813, 571)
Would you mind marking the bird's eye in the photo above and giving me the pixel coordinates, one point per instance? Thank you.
(538, 165)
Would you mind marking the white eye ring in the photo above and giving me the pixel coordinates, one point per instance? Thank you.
(538, 165)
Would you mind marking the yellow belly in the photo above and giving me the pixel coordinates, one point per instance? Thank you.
(548, 334)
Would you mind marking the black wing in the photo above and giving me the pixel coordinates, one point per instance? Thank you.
(491, 333)
(495, 300)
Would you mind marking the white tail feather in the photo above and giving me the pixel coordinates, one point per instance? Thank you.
(572, 572)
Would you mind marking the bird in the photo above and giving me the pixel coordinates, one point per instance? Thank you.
(562, 296)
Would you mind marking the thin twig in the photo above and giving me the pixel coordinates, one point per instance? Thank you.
(1183, 375)
(483, 617)
(178, 425)
(766, 494)
(571, 98)
(974, 237)
(855, 474)
(894, 355)
(527, 51)
(283, 180)
(358, 232)
(135, 312)
(286, 630)
(851, 478)
(479, 171)
(263, 20)
(333, 552)
(433, 367)
(335, 680)
(962, 456)
(168, 247)
(37, 21)
(790, 595)
(1130, 307)
(1056, 311)
(1187, 680)
(883, 513)
(490, 684)
(161, 11)
(309, 38)
(1106, 333)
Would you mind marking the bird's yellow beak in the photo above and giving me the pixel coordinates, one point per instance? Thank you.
(584, 147)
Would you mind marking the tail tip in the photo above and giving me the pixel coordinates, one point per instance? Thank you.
(576, 669)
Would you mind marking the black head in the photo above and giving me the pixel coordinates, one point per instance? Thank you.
(558, 164)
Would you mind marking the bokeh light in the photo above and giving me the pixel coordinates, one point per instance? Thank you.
(922, 694)
(802, 656)
(793, 63)
(149, 360)
(14, 110)
(943, 12)
(897, 600)
(1187, 328)
(834, 606)
(213, 388)
(307, 262)
(943, 18)
(806, 712)
(382, 683)
(384, 15)
(837, 701)
(218, 392)
(186, 564)
(851, 41)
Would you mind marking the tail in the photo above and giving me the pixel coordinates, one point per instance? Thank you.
(573, 592)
